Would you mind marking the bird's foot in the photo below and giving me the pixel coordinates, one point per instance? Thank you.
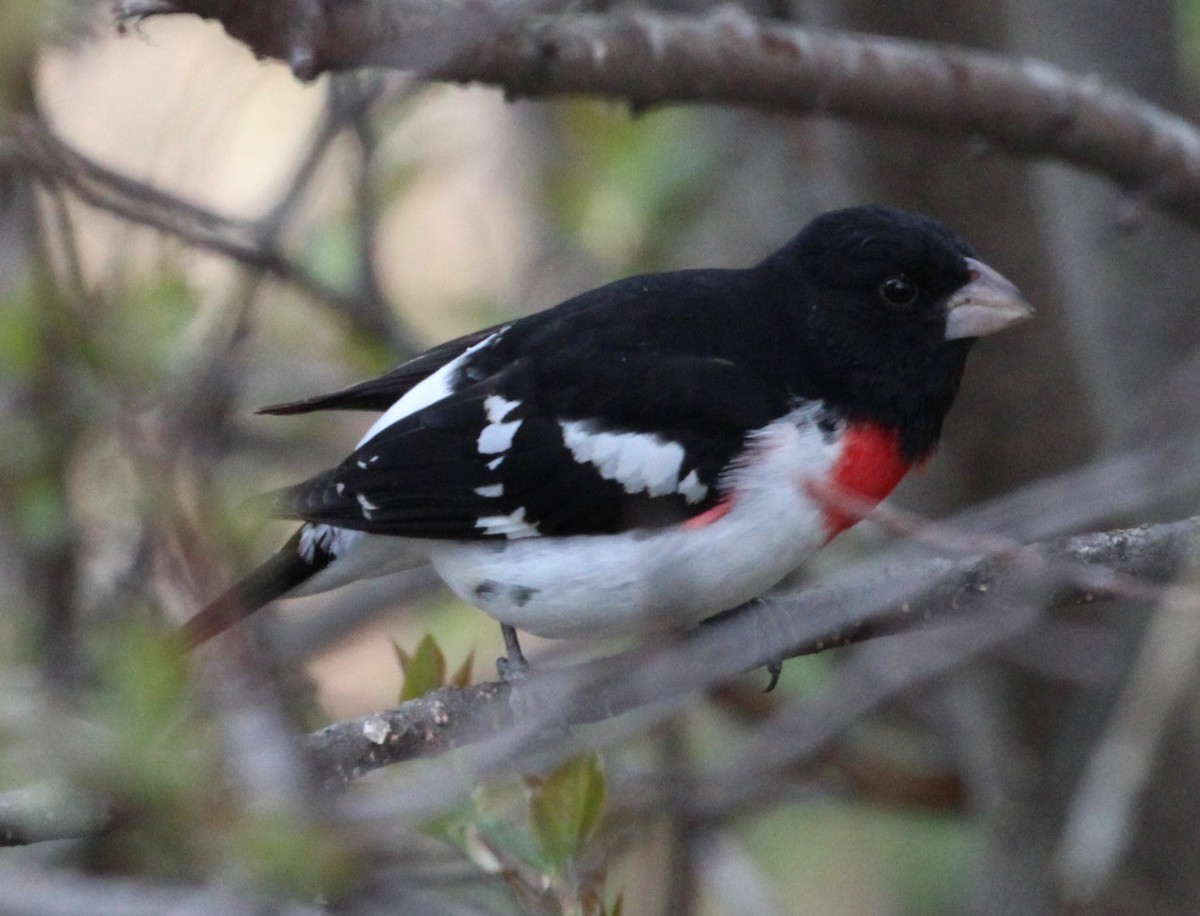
(512, 666)
(774, 669)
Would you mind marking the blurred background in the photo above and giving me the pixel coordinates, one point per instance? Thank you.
(208, 235)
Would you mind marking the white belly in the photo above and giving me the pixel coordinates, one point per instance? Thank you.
(659, 579)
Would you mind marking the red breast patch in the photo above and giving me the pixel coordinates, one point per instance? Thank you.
(869, 466)
(710, 516)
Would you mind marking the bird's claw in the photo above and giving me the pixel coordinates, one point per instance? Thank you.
(510, 670)
(774, 669)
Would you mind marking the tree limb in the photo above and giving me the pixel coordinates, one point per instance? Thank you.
(899, 597)
(251, 243)
(1023, 107)
(1072, 571)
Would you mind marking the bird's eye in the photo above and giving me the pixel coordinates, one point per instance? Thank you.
(898, 292)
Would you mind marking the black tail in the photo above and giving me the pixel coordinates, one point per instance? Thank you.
(275, 578)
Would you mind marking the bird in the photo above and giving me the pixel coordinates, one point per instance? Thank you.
(652, 452)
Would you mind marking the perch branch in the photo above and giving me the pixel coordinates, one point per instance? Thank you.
(896, 598)
(817, 619)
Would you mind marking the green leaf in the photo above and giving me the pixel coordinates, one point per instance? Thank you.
(507, 838)
(564, 809)
(462, 675)
(424, 670)
(152, 758)
(450, 826)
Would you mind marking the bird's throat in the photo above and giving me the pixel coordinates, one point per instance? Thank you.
(868, 467)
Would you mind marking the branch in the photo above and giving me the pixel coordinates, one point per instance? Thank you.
(900, 597)
(1072, 571)
(251, 243)
(441, 720)
(1023, 107)
(28, 816)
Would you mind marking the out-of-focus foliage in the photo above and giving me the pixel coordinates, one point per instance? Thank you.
(625, 185)
(139, 339)
(103, 353)
(848, 858)
(425, 669)
(553, 862)
(1188, 18)
(564, 810)
(618, 190)
(151, 753)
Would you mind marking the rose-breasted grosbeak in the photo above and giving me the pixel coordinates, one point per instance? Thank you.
(652, 452)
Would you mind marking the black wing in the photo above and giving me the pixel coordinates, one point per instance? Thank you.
(381, 392)
(701, 312)
(554, 446)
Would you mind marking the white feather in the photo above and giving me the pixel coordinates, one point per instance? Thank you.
(367, 506)
(497, 436)
(512, 526)
(357, 555)
(691, 487)
(428, 391)
(654, 580)
(637, 461)
(317, 537)
(498, 407)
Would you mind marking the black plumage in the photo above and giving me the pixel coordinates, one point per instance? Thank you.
(596, 427)
(698, 357)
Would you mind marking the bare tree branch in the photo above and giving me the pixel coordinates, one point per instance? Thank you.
(1101, 823)
(252, 243)
(1022, 107)
(441, 720)
(814, 620)
(28, 817)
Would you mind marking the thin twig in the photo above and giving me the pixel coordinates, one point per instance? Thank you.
(246, 242)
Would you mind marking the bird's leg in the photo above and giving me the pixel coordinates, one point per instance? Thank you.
(512, 666)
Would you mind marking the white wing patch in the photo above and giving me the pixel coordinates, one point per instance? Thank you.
(428, 391)
(512, 526)
(691, 487)
(491, 491)
(367, 506)
(325, 538)
(497, 436)
(637, 461)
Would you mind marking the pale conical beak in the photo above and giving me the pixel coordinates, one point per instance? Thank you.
(989, 303)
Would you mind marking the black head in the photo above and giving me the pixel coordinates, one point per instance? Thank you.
(886, 305)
